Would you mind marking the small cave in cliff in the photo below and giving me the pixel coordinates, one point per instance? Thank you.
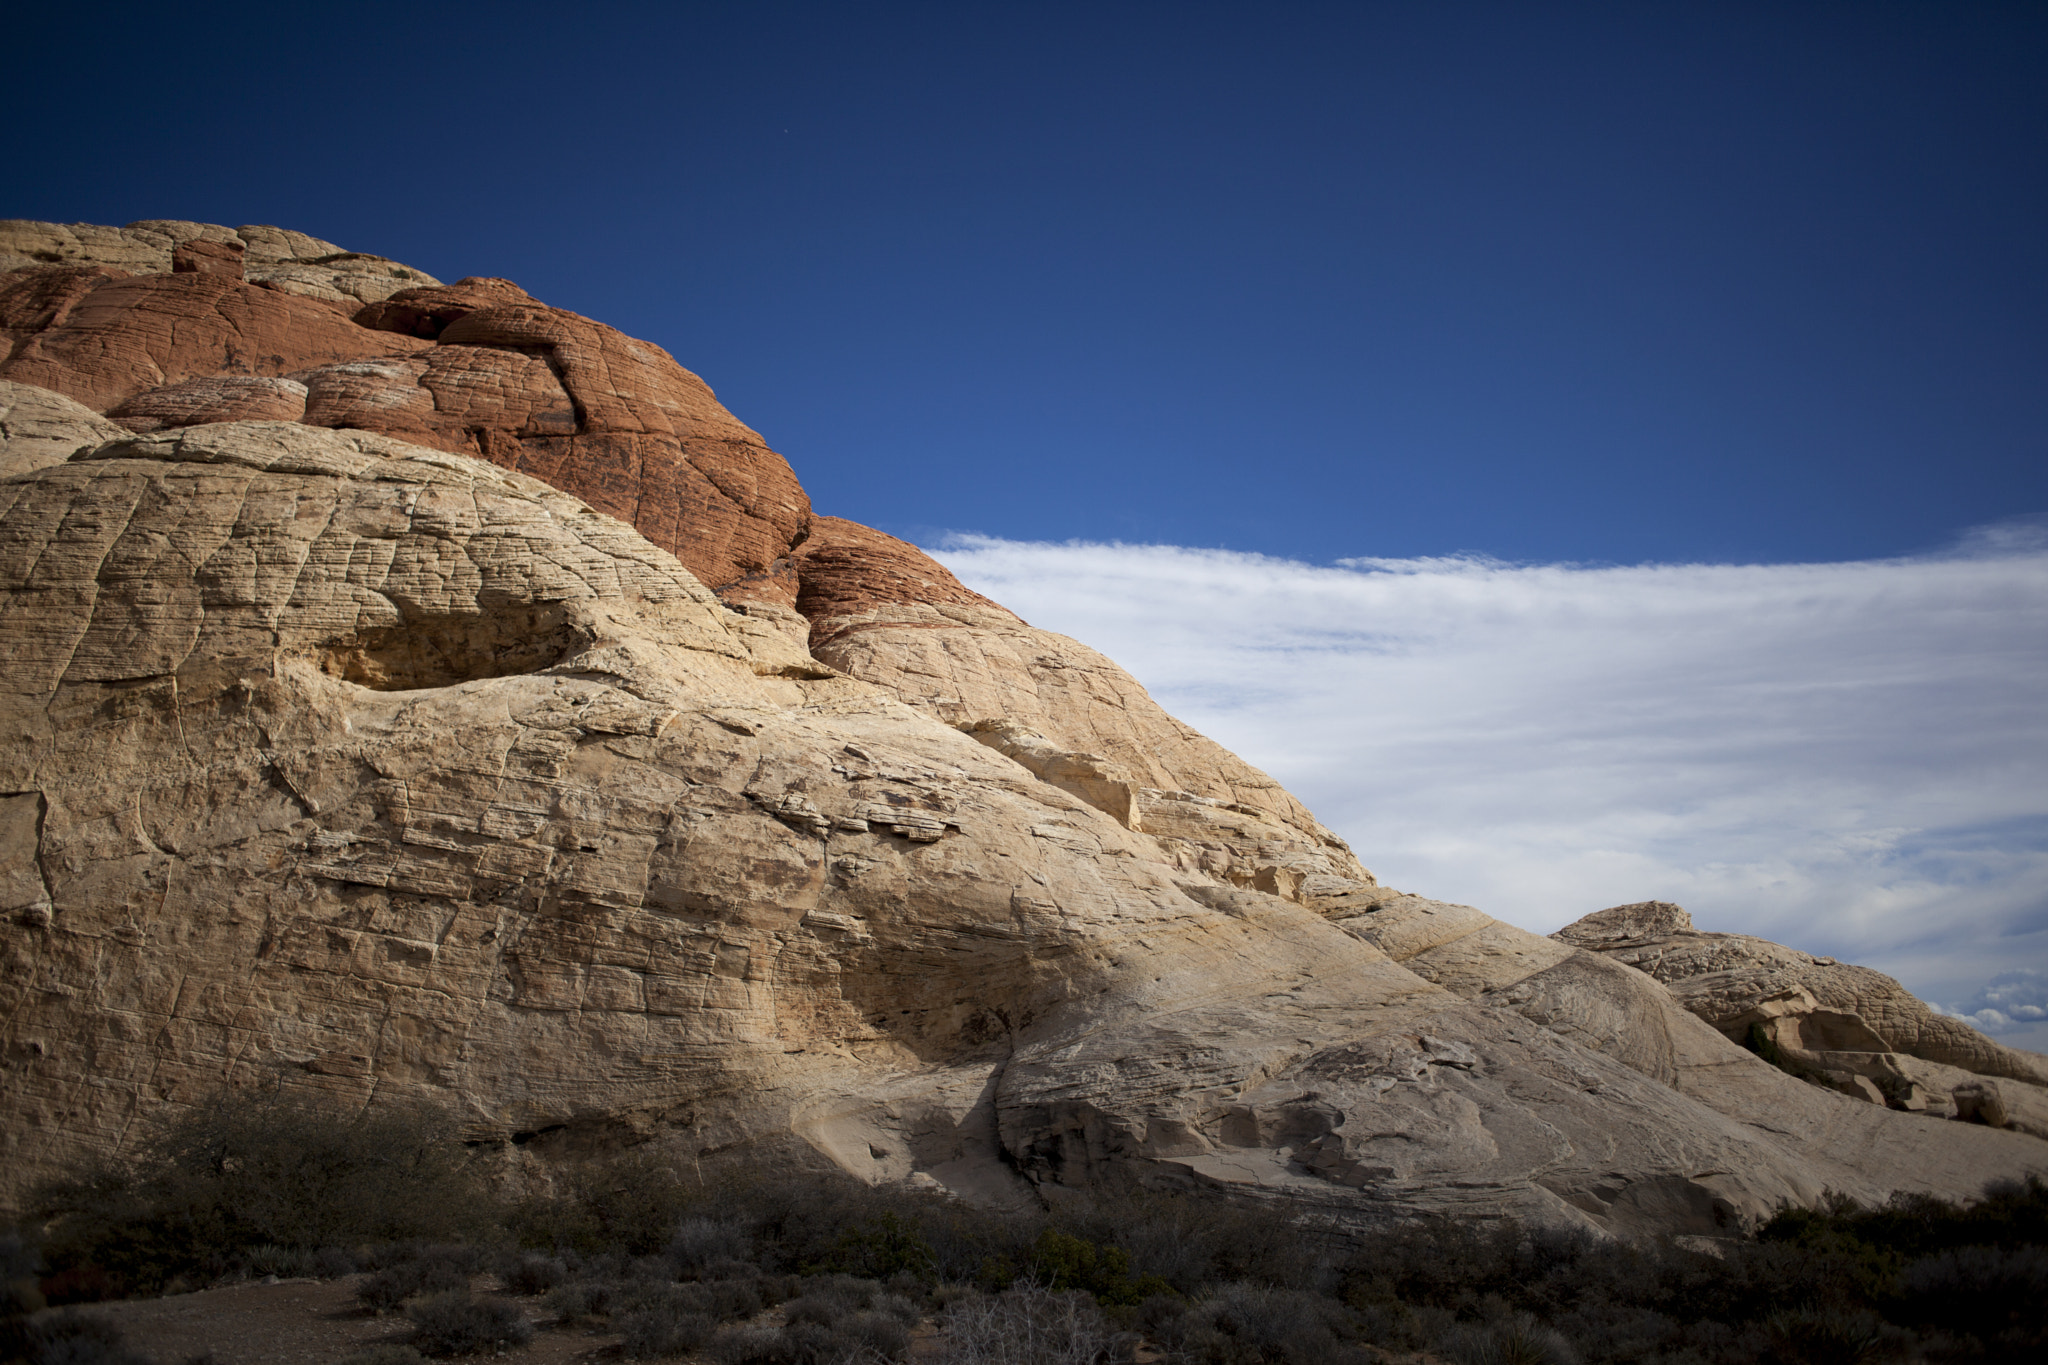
(443, 650)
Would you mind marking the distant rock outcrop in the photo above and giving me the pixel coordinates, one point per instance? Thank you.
(1855, 1028)
(372, 728)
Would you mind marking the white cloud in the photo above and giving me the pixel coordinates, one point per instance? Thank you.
(1851, 758)
(2010, 1002)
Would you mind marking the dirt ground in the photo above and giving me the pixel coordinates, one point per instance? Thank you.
(306, 1322)
(319, 1322)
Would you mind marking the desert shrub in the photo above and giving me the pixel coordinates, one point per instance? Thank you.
(1027, 1325)
(719, 1300)
(630, 1203)
(77, 1337)
(824, 1310)
(286, 1263)
(1196, 1243)
(1437, 1263)
(1519, 1340)
(578, 1302)
(247, 1171)
(2012, 1213)
(426, 1271)
(866, 1335)
(745, 1345)
(1987, 1292)
(1253, 1324)
(454, 1324)
(532, 1274)
(1060, 1261)
(1827, 1337)
(664, 1331)
(702, 1244)
(331, 1263)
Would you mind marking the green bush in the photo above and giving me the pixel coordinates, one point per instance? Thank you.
(1063, 1262)
(884, 1245)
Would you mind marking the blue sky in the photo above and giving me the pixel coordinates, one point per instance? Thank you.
(1300, 288)
(1616, 282)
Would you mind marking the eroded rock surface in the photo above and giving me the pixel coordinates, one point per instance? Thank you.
(38, 428)
(165, 324)
(382, 771)
(1858, 1028)
(883, 611)
(289, 262)
(417, 690)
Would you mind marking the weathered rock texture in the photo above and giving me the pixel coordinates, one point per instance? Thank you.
(162, 325)
(38, 428)
(290, 262)
(887, 613)
(386, 772)
(352, 738)
(1858, 1029)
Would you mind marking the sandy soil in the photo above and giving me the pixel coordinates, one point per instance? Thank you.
(306, 1322)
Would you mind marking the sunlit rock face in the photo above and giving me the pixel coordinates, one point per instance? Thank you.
(1850, 1027)
(355, 765)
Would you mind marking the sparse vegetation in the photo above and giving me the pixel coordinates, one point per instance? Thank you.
(676, 1265)
(454, 1324)
(264, 1177)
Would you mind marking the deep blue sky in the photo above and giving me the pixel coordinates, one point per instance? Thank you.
(1622, 282)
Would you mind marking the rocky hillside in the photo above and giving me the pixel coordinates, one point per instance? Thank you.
(414, 690)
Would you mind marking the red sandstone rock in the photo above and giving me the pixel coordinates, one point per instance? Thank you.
(424, 312)
(217, 398)
(849, 570)
(127, 336)
(613, 420)
(35, 299)
(582, 406)
(202, 257)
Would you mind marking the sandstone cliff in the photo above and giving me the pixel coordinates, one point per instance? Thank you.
(410, 767)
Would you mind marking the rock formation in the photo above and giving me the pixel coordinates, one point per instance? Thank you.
(333, 339)
(361, 736)
(1854, 1028)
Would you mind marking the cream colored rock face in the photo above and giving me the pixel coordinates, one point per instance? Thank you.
(288, 261)
(1860, 1028)
(991, 674)
(366, 769)
(39, 428)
